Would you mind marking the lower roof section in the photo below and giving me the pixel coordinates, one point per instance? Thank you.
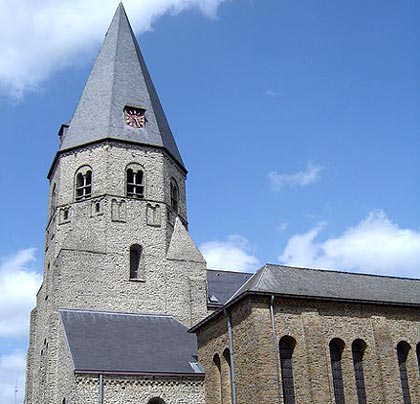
(124, 343)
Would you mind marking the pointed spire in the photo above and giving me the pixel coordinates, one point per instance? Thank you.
(119, 79)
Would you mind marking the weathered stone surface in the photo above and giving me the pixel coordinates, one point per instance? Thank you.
(313, 324)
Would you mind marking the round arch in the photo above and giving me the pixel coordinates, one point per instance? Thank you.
(156, 400)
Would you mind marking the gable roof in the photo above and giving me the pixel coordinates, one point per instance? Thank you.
(329, 284)
(221, 285)
(322, 284)
(123, 343)
(119, 78)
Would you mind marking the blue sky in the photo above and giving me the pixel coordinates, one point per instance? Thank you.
(298, 122)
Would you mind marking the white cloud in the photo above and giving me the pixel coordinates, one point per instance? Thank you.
(273, 93)
(310, 175)
(38, 38)
(12, 375)
(233, 254)
(18, 287)
(375, 245)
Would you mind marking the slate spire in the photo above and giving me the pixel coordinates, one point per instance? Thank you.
(119, 79)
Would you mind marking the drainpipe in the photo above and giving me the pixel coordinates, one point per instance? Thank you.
(232, 365)
(101, 389)
(276, 346)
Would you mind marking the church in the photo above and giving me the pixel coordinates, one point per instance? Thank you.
(128, 311)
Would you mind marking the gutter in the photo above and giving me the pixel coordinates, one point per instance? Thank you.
(276, 346)
(232, 364)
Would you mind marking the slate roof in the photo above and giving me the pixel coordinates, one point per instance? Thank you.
(322, 284)
(119, 78)
(122, 343)
(223, 284)
(328, 284)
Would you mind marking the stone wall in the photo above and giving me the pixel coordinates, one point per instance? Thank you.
(312, 324)
(135, 390)
(87, 251)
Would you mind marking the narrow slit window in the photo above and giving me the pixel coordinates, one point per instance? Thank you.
(136, 252)
(135, 184)
(83, 184)
(336, 351)
(287, 346)
(403, 348)
(358, 351)
(418, 355)
(174, 196)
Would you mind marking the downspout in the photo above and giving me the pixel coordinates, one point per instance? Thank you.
(232, 365)
(276, 346)
(101, 389)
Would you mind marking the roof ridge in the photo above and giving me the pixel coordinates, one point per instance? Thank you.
(121, 313)
(332, 270)
(230, 271)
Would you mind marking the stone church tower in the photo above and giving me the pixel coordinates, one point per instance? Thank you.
(117, 238)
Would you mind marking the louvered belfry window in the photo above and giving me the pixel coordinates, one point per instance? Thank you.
(287, 346)
(135, 186)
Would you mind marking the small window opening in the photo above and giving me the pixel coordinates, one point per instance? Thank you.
(97, 207)
(53, 199)
(83, 185)
(136, 252)
(135, 187)
(174, 195)
(66, 214)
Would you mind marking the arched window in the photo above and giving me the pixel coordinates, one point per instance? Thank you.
(218, 377)
(336, 351)
(136, 262)
(156, 400)
(83, 183)
(226, 382)
(135, 181)
(403, 348)
(358, 350)
(287, 346)
(174, 195)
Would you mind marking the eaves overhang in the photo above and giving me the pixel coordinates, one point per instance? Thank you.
(115, 141)
(245, 294)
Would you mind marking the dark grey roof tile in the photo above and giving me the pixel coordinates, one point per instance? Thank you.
(317, 283)
(119, 78)
(129, 343)
(223, 284)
